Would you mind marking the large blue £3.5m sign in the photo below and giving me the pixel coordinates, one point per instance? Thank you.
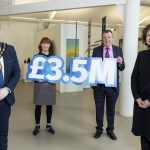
(89, 71)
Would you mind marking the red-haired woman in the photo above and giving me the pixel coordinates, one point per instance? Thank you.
(44, 92)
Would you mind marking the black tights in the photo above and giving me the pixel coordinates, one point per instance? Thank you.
(38, 113)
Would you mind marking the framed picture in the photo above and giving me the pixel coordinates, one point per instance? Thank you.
(72, 50)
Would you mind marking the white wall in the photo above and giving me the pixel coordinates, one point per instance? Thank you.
(21, 35)
(53, 32)
(141, 46)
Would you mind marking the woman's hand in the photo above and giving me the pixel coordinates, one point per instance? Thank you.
(146, 103)
(143, 104)
(140, 103)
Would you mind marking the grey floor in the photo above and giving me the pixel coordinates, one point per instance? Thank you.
(73, 120)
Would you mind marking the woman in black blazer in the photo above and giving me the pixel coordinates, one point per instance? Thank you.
(140, 86)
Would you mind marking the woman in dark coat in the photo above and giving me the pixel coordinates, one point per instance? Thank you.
(44, 92)
(140, 85)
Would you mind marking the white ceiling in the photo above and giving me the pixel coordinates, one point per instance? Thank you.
(35, 1)
(95, 14)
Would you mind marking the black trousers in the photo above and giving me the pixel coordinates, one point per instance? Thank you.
(38, 113)
(100, 94)
(145, 143)
(5, 111)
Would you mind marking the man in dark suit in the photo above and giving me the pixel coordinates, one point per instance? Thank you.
(9, 76)
(107, 50)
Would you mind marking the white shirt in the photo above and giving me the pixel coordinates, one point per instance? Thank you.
(2, 64)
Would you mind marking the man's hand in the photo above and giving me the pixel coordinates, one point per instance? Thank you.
(119, 60)
(3, 93)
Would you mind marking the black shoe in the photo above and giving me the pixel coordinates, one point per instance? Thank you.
(36, 130)
(50, 129)
(112, 135)
(97, 135)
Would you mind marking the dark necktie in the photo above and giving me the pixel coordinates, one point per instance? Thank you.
(107, 53)
(1, 77)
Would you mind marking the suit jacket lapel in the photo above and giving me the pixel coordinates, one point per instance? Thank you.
(114, 51)
(5, 66)
(100, 52)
